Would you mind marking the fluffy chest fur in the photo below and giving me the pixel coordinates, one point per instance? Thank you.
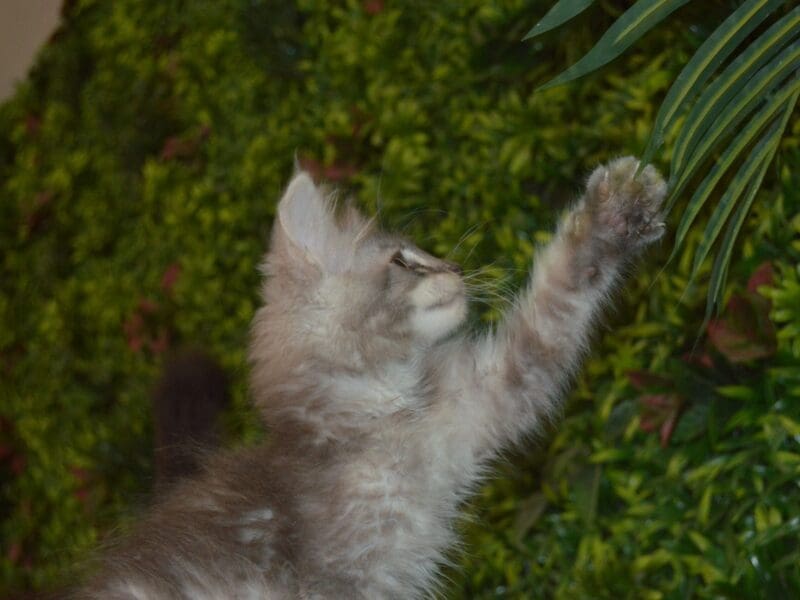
(389, 512)
(387, 496)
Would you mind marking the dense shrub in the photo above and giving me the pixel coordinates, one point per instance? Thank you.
(139, 167)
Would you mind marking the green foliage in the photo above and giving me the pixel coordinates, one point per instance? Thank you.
(139, 169)
(560, 13)
(638, 20)
(761, 84)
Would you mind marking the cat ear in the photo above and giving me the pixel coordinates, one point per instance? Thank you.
(305, 223)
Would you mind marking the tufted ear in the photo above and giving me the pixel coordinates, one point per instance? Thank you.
(308, 235)
(306, 222)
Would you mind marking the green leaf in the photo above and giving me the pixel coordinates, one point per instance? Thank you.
(729, 83)
(727, 119)
(562, 11)
(632, 25)
(694, 422)
(585, 491)
(719, 271)
(704, 62)
(704, 509)
(722, 211)
(727, 158)
(528, 514)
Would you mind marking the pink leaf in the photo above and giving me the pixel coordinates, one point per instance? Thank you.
(32, 124)
(6, 450)
(160, 343)
(657, 401)
(699, 360)
(668, 427)
(763, 275)
(14, 552)
(660, 412)
(373, 7)
(18, 463)
(170, 276)
(80, 474)
(339, 172)
(312, 166)
(744, 332)
(147, 306)
(642, 380)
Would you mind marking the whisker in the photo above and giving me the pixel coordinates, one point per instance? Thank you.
(412, 215)
(378, 199)
(463, 238)
(365, 230)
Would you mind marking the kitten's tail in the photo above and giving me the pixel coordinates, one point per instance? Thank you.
(187, 404)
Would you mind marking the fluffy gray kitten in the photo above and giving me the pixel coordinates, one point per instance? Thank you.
(382, 416)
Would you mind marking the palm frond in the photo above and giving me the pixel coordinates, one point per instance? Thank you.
(735, 99)
(562, 11)
(633, 24)
(725, 39)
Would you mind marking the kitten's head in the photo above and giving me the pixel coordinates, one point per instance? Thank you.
(342, 295)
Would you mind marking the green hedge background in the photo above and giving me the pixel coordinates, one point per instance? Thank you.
(139, 169)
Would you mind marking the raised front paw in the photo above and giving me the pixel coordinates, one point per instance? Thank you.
(625, 209)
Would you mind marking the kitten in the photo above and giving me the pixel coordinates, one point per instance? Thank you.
(382, 416)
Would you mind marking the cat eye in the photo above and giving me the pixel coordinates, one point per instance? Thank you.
(398, 260)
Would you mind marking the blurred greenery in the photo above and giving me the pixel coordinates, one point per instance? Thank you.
(139, 169)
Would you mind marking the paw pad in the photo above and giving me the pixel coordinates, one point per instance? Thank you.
(625, 207)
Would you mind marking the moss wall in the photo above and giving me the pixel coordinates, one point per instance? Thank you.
(139, 169)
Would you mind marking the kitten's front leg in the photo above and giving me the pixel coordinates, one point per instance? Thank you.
(521, 370)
